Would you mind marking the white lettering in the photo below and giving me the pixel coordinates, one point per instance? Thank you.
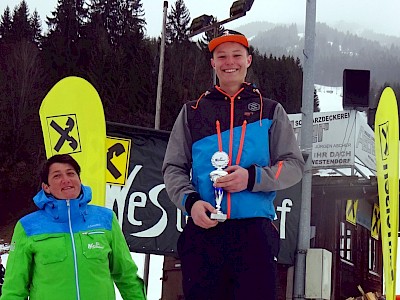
(119, 194)
(160, 226)
(96, 245)
(284, 209)
(132, 204)
(179, 220)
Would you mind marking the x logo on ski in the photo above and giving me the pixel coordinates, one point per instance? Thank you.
(64, 134)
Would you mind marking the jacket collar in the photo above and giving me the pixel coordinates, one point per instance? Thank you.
(58, 208)
(249, 91)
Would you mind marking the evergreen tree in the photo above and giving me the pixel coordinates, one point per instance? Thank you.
(68, 19)
(122, 19)
(105, 14)
(36, 28)
(209, 35)
(133, 21)
(22, 87)
(20, 26)
(178, 23)
(279, 79)
(187, 75)
(61, 47)
(5, 25)
(121, 64)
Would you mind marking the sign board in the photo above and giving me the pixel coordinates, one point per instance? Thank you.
(287, 206)
(338, 138)
(118, 154)
(150, 221)
(351, 211)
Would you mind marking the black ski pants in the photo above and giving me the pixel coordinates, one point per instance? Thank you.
(234, 260)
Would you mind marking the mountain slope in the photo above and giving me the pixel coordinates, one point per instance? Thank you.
(334, 50)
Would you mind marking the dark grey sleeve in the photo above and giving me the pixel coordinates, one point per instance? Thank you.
(177, 163)
(287, 163)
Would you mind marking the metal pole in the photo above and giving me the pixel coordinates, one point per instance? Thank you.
(215, 32)
(146, 270)
(161, 69)
(303, 243)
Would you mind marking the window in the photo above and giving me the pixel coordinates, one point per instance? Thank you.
(346, 242)
(373, 262)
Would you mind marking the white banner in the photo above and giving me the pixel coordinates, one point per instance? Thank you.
(339, 137)
(365, 144)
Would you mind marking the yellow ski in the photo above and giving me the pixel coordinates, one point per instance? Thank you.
(387, 167)
(73, 122)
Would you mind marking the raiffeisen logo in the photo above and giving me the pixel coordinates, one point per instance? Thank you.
(385, 151)
(384, 138)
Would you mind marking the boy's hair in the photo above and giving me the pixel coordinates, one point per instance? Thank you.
(58, 158)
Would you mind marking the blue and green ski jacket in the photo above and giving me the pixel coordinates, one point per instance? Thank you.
(69, 250)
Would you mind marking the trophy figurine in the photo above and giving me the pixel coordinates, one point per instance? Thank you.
(219, 160)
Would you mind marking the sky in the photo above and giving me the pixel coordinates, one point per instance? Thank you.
(380, 16)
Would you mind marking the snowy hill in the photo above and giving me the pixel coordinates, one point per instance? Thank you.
(330, 98)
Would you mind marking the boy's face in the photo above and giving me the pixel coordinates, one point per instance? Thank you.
(230, 61)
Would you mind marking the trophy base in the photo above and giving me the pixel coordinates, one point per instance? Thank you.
(220, 217)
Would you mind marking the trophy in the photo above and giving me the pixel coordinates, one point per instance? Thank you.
(219, 160)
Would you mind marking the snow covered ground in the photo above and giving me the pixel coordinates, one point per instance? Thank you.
(155, 274)
(330, 98)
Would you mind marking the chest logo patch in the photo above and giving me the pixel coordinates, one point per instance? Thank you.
(253, 106)
(96, 245)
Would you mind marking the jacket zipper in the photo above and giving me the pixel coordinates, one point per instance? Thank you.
(73, 251)
(93, 232)
(239, 154)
